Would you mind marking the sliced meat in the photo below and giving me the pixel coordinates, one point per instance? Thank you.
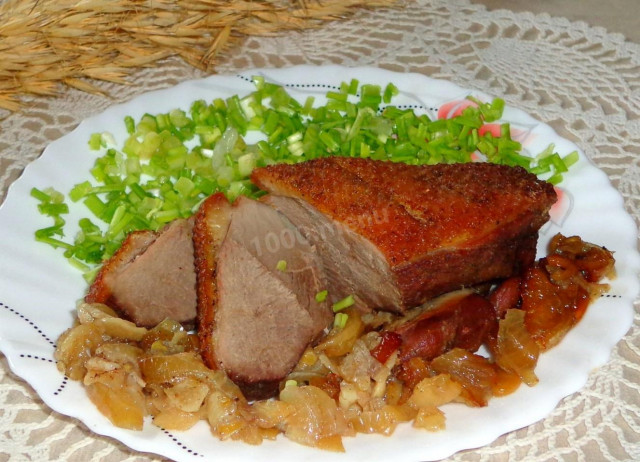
(256, 316)
(261, 331)
(272, 239)
(151, 277)
(353, 265)
(431, 229)
(133, 245)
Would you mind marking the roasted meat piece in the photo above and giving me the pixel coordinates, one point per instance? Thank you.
(396, 235)
(257, 282)
(151, 277)
(460, 319)
(132, 246)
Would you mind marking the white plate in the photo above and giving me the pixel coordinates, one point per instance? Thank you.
(38, 289)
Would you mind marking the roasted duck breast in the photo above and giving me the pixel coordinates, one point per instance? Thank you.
(392, 235)
(257, 282)
(151, 277)
(395, 235)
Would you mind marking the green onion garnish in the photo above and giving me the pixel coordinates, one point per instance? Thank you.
(340, 320)
(281, 265)
(322, 296)
(344, 303)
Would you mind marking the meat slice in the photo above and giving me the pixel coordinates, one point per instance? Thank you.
(257, 314)
(353, 265)
(428, 229)
(261, 332)
(151, 277)
(273, 240)
(133, 245)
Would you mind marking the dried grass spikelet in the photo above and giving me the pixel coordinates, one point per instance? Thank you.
(46, 43)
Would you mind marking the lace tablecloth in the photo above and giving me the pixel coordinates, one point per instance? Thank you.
(581, 80)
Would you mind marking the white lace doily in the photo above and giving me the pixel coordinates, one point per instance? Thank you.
(581, 80)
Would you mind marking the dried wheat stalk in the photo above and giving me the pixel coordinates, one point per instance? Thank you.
(46, 43)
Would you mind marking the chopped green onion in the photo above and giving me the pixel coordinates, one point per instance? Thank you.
(40, 195)
(340, 320)
(571, 159)
(282, 265)
(490, 111)
(555, 178)
(130, 125)
(338, 96)
(389, 92)
(95, 205)
(246, 164)
(95, 141)
(344, 303)
(322, 296)
(55, 243)
(370, 96)
(53, 209)
(352, 89)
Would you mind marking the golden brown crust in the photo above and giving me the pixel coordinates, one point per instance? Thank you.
(406, 210)
(439, 227)
(211, 224)
(343, 196)
(454, 269)
(460, 203)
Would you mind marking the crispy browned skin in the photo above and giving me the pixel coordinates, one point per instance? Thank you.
(460, 204)
(210, 227)
(439, 227)
(460, 320)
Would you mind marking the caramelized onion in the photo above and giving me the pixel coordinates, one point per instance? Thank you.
(593, 262)
(474, 372)
(315, 419)
(430, 418)
(350, 381)
(434, 391)
(384, 420)
(516, 351)
(122, 404)
(75, 347)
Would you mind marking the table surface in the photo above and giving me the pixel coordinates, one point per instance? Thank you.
(619, 16)
(584, 58)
